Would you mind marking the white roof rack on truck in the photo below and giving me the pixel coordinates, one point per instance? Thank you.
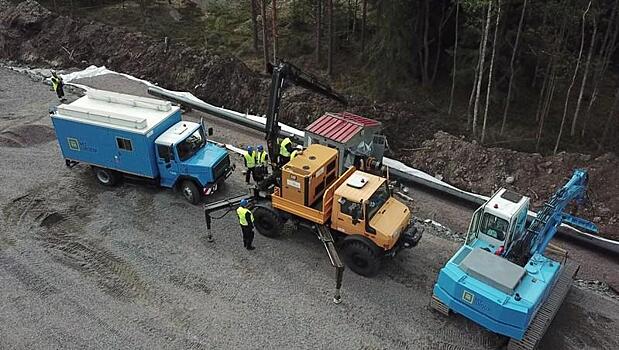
(118, 111)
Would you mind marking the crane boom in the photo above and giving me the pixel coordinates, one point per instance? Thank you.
(282, 74)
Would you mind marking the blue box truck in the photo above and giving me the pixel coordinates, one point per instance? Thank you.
(122, 135)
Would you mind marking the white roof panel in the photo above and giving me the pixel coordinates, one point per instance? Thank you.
(177, 132)
(502, 207)
(117, 111)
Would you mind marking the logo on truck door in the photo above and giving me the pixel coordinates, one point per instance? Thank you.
(74, 144)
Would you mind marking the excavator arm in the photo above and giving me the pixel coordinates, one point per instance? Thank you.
(544, 227)
(282, 75)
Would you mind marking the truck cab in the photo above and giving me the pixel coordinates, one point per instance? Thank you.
(363, 206)
(186, 158)
(498, 222)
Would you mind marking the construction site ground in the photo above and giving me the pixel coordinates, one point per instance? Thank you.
(83, 266)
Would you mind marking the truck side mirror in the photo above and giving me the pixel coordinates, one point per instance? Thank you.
(210, 131)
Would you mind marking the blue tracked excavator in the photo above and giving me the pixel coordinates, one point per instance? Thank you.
(507, 277)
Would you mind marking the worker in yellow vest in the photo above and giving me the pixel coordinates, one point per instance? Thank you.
(246, 220)
(298, 150)
(249, 157)
(293, 154)
(285, 149)
(261, 164)
(58, 86)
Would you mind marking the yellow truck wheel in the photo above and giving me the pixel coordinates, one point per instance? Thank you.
(360, 256)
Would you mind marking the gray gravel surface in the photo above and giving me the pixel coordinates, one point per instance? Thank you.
(83, 266)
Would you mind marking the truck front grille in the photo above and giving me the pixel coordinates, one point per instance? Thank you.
(221, 168)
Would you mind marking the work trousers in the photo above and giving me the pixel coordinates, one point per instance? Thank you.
(250, 172)
(260, 173)
(283, 160)
(60, 91)
(248, 235)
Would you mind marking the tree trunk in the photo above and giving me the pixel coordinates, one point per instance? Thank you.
(425, 74)
(254, 22)
(584, 78)
(609, 120)
(318, 30)
(490, 75)
(482, 59)
(455, 53)
(511, 67)
(265, 38)
(474, 89)
(274, 20)
(546, 108)
(569, 89)
(363, 24)
(439, 46)
(542, 93)
(544, 33)
(606, 51)
(330, 17)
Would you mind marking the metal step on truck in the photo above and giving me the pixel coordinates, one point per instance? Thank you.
(121, 135)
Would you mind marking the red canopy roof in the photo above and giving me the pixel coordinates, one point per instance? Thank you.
(340, 127)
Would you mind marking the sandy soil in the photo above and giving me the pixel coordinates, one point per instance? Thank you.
(86, 267)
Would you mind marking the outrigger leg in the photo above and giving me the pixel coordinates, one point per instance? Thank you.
(324, 234)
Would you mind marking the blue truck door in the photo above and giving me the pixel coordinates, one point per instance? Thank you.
(167, 164)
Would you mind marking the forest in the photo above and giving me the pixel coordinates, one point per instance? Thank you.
(533, 75)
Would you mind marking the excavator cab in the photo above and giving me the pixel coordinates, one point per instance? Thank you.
(499, 222)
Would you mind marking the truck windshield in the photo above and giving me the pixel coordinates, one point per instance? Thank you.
(493, 226)
(188, 147)
(376, 201)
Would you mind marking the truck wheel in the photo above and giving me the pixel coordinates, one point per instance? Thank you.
(267, 222)
(106, 177)
(190, 192)
(360, 257)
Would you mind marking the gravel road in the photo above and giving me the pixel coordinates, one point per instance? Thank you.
(83, 266)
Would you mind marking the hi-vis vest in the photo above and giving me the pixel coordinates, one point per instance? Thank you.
(240, 211)
(55, 83)
(250, 159)
(282, 147)
(261, 158)
(293, 154)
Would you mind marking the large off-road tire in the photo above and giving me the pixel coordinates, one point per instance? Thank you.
(267, 222)
(190, 192)
(106, 177)
(360, 257)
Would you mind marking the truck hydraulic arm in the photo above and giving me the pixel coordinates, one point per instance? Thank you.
(228, 203)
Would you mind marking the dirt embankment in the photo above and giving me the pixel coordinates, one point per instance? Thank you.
(483, 170)
(29, 33)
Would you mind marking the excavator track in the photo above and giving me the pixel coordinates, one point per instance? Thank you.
(547, 312)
